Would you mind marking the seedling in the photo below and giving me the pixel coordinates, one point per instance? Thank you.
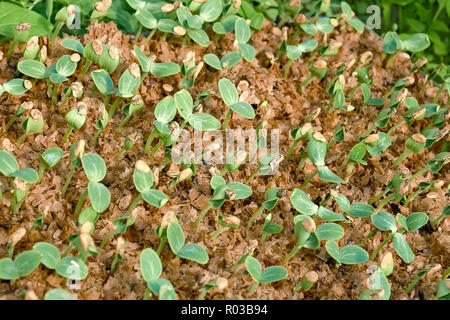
(367, 97)
(434, 165)
(76, 152)
(107, 58)
(378, 284)
(31, 125)
(189, 70)
(22, 178)
(185, 174)
(443, 291)
(100, 10)
(75, 118)
(374, 144)
(191, 25)
(49, 159)
(272, 196)
(194, 252)
(75, 90)
(63, 68)
(120, 250)
(233, 161)
(135, 105)
(416, 280)
(251, 249)
(222, 193)
(317, 69)
(384, 221)
(445, 213)
(303, 228)
(242, 34)
(21, 34)
(101, 123)
(317, 149)
(362, 74)
(295, 52)
(23, 265)
(227, 61)
(226, 221)
(269, 228)
(230, 97)
(148, 65)
(15, 87)
(350, 254)
(349, 17)
(338, 136)
(82, 240)
(392, 44)
(267, 164)
(99, 196)
(299, 134)
(424, 186)
(65, 15)
(22, 109)
(414, 144)
(307, 282)
(151, 269)
(268, 275)
(130, 141)
(58, 294)
(219, 283)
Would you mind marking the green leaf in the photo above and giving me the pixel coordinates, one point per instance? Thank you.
(230, 59)
(247, 51)
(353, 255)
(416, 221)
(211, 10)
(28, 175)
(164, 69)
(65, 66)
(228, 92)
(99, 196)
(58, 294)
(379, 281)
(93, 166)
(361, 210)
(150, 264)
(324, 25)
(8, 270)
(316, 151)
(343, 202)
(32, 68)
(8, 164)
(244, 109)
(302, 203)
(217, 182)
(155, 197)
(26, 262)
(52, 156)
(12, 14)
(73, 45)
(402, 248)
(14, 87)
(242, 31)
(254, 268)
(194, 252)
(204, 122)
(142, 181)
(175, 235)
(88, 214)
(156, 286)
(273, 274)
(50, 255)
(103, 81)
(72, 268)
(333, 250)
(329, 215)
(242, 190)
(329, 231)
(165, 110)
(384, 221)
(417, 42)
(145, 17)
(357, 153)
(213, 61)
(199, 36)
(326, 175)
(128, 84)
(184, 103)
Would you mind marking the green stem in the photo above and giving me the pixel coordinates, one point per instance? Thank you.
(305, 83)
(418, 173)
(150, 138)
(114, 107)
(385, 200)
(106, 102)
(291, 150)
(436, 98)
(415, 281)
(10, 122)
(80, 202)
(108, 236)
(85, 67)
(369, 236)
(435, 222)
(156, 148)
(122, 151)
(239, 262)
(374, 254)
(253, 175)
(40, 172)
(227, 119)
(350, 167)
(369, 131)
(254, 216)
(200, 217)
(287, 68)
(415, 194)
(68, 179)
(65, 253)
(96, 136)
(54, 94)
(123, 122)
(161, 245)
(139, 32)
(223, 172)
(165, 162)
(65, 101)
(149, 37)
(354, 90)
(382, 194)
(391, 58)
(312, 175)
(11, 48)
(254, 287)
(66, 135)
(330, 103)
(303, 157)
(398, 124)
(135, 202)
(292, 253)
(21, 138)
(55, 33)
(401, 157)
(218, 231)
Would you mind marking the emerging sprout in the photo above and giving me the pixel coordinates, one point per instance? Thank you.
(414, 144)
(268, 275)
(272, 196)
(270, 228)
(23, 108)
(49, 159)
(21, 34)
(31, 125)
(75, 118)
(224, 222)
(76, 152)
(308, 281)
(219, 283)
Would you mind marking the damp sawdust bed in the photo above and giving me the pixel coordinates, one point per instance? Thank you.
(288, 110)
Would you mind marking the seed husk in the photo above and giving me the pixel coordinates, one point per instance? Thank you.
(312, 276)
(377, 294)
(141, 166)
(386, 260)
(31, 295)
(185, 174)
(32, 43)
(79, 150)
(121, 245)
(309, 224)
(230, 194)
(232, 220)
(281, 193)
(366, 57)
(167, 219)
(27, 105)
(318, 136)
(137, 99)
(221, 284)
(214, 171)
(179, 30)
(77, 89)
(113, 52)
(134, 70)
(86, 227)
(75, 57)
(372, 138)
(19, 233)
(97, 47)
(320, 64)
(36, 114)
(82, 109)
(419, 113)
(417, 137)
(27, 84)
(86, 241)
(167, 8)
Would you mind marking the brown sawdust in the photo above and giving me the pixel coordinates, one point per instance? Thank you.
(289, 110)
